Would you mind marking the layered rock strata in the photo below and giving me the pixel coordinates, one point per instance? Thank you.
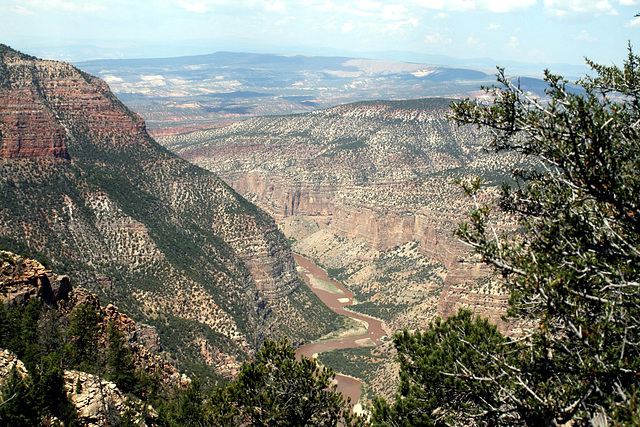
(353, 185)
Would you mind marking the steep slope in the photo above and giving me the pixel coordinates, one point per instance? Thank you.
(367, 190)
(83, 186)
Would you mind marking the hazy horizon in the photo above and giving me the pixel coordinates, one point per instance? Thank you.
(525, 31)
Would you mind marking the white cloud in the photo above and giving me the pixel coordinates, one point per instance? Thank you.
(437, 38)
(368, 5)
(275, 6)
(202, 6)
(398, 25)
(326, 5)
(585, 36)
(506, 6)
(635, 22)
(284, 21)
(348, 27)
(197, 7)
(474, 43)
(513, 42)
(567, 8)
(493, 27)
(495, 6)
(74, 6)
(629, 2)
(21, 10)
(453, 5)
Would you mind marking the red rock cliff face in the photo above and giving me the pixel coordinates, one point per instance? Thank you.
(37, 96)
(28, 128)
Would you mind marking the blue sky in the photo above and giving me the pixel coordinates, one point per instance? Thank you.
(537, 31)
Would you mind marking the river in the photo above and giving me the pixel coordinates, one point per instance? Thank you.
(337, 301)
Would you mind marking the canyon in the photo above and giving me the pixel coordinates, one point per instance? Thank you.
(367, 191)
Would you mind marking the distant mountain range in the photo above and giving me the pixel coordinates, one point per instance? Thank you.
(86, 50)
(197, 92)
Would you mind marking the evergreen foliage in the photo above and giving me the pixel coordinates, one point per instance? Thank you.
(16, 408)
(29, 333)
(276, 389)
(442, 373)
(120, 367)
(84, 327)
(572, 268)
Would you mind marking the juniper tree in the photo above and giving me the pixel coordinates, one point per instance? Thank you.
(276, 389)
(573, 265)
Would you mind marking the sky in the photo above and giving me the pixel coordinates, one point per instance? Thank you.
(532, 31)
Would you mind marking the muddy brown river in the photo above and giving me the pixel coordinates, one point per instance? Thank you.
(337, 301)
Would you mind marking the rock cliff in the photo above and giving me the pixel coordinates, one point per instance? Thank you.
(368, 191)
(83, 186)
(22, 279)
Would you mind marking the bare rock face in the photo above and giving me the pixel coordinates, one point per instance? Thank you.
(28, 128)
(7, 362)
(147, 335)
(367, 190)
(99, 402)
(23, 278)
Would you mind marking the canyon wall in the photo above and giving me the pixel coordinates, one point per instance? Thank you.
(367, 190)
(84, 187)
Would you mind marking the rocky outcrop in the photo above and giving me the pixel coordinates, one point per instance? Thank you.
(8, 361)
(23, 278)
(99, 402)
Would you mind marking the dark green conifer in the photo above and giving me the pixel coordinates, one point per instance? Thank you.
(82, 333)
(120, 367)
(572, 268)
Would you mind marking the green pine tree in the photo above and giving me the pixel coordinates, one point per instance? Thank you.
(16, 408)
(120, 366)
(276, 389)
(442, 374)
(83, 332)
(572, 267)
